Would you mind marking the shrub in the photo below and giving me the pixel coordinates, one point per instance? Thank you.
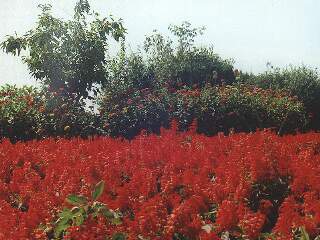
(239, 107)
(65, 116)
(163, 63)
(126, 114)
(183, 63)
(19, 112)
(28, 113)
(302, 82)
(82, 210)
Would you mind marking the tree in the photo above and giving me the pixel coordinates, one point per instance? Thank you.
(67, 56)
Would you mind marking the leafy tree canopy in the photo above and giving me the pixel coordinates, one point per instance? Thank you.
(69, 55)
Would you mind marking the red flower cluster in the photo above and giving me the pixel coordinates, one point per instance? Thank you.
(176, 184)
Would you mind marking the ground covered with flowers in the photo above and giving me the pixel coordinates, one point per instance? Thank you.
(172, 186)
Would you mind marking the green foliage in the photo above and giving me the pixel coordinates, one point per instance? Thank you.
(248, 108)
(118, 236)
(302, 234)
(82, 210)
(184, 63)
(167, 79)
(66, 116)
(27, 113)
(216, 109)
(300, 81)
(178, 236)
(19, 112)
(165, 63)
(140, 86)
(240, 108)
(98, 190)
(127, 71)
(76, 200)
(67, 54)
(127, 113)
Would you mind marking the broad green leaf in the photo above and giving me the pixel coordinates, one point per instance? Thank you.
(98, 190)
(76, 200)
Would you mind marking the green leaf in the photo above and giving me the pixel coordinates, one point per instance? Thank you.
(65, 213)
(112, 216)
(107, 213)
(99, 208)
(76, 200)
(267, 236)
(116, 221)
(61, 226)
(304, 234)
(118, 236)
(78, 219)
(98, 190)
(75, 210)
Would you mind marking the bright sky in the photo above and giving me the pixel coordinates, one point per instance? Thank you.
(252, 32)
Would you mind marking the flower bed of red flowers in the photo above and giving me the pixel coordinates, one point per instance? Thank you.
(172, 186)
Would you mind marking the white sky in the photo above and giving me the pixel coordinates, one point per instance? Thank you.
(252, 32)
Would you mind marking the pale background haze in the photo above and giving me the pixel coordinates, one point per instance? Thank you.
(252, 32)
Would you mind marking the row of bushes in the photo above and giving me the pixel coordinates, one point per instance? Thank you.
(216, 109)
(27, 113)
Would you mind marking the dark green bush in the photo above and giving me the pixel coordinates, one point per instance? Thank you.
(19, 112)
(238, 107)
(27, 113)
(162, 67)
(126, 114)
(301, 81)
(167, 63)
(215, 109)
(182, 63)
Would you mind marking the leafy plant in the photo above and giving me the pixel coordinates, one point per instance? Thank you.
(238, 107)
(127, 113)
(83, 209)
(300, 81)
(19, 112)
(66, 116)
(183, 63)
